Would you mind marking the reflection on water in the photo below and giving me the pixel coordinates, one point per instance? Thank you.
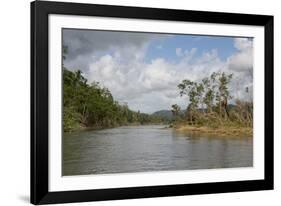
(150, 148)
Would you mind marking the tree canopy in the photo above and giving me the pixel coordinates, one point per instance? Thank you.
(91, 105)
(208, 102)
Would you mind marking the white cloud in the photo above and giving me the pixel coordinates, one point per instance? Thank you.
(152, 86)
(242, 61)
(241, 65)
(190, 53)
(179, 52)
(243, 43)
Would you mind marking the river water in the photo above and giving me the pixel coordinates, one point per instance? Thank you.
(150, 148)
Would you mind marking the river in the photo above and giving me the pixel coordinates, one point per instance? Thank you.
(150, 148)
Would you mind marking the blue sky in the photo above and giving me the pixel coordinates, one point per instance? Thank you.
(165, 47)
(144, 69)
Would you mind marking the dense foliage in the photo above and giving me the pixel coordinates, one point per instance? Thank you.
(208, 103)
(90, 105)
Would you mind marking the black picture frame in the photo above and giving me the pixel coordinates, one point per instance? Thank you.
(39, 102)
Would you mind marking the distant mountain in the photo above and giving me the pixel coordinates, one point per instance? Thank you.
(168, 115)
(165, 114)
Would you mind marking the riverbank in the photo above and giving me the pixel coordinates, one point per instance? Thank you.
(223, 131)
(83, 127)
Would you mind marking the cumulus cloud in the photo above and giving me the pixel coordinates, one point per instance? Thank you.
(83, 45)
(151, 86)
(117, 61)
(179, 52)
(242, 61)
(241, 65)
